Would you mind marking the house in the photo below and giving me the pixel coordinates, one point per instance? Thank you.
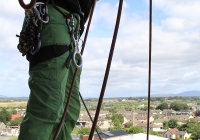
(139, 136)
(142, 136)
(168, 112)
(14, 116)
(197, 107)
(173, 134)
(180, 118)
(160, 121)
(111, 135)
(2, 126)
(76, 137)
(12, 130)
(152, 127)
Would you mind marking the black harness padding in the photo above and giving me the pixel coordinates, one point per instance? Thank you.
(46, 53)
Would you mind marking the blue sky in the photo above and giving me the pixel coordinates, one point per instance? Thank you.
(175, 49)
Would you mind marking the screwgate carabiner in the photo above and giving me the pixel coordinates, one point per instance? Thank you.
(45, 10)
(74, 38)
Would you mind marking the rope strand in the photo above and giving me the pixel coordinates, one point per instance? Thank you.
(149, 74)
(107, 70)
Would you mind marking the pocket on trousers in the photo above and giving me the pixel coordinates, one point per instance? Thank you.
(45, 99)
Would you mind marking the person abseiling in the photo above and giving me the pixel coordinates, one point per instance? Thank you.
(48, 38)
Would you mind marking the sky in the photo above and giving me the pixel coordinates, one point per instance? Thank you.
(175, 49)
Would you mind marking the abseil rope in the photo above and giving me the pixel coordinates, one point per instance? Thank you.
(149, 73)
(89, 114)
(107, 70)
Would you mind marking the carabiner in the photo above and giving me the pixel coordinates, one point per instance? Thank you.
(38, 13)
(76, 52)
(28, 6)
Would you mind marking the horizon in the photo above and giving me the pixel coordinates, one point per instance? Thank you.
(152, 96)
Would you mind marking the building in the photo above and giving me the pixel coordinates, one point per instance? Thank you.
(14, 116)
(139, 136)
(111, 135)
(2, 126)
(173, 134)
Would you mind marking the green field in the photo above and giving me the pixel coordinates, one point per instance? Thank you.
(13, 104)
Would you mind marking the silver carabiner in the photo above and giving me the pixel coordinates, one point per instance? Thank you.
(38, 12)
(74, 39)
(76, 52)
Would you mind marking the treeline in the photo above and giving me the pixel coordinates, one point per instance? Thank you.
(177, 106)
(161, 99)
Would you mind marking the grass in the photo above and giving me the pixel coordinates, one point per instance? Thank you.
(75, 131)
(13, 104)
(13, 139)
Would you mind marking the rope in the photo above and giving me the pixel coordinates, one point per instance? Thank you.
(89, 114)
(149, 74)
(107, 70)
(74, 77)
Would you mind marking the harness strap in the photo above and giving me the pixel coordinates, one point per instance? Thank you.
(46, 53)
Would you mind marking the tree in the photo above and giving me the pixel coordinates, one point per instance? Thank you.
(4, 116)
(162, 106)
(128, 125)
(146, 108)
(191, 126)
(113, 110)
(119, 117)
(84, 131)
(155, 133)
(16, 121)
(178, 106)
(157, 116)
(165, 125)
(173, 123)
(115, 125)
(134, 130)
(13, 111)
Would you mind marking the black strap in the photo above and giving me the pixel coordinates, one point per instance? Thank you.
(46, 53)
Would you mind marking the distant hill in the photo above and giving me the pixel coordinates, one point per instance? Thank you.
(191, 93)
(5, 98)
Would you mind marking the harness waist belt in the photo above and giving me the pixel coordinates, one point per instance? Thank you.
(46, 53)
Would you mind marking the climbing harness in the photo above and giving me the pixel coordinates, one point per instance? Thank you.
(36, 14)
(29, 38)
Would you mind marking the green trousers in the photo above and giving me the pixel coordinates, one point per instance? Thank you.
(49, 84)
